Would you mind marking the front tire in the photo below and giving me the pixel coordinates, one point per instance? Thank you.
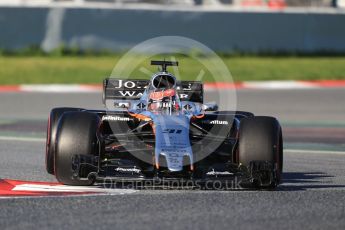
(54, 116)
(260, 140)
(76, 135)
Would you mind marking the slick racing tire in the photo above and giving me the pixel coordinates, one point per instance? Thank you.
(76, 135)
(260, 140)
(53, 119)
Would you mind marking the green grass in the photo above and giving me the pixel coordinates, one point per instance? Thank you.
(92, 69)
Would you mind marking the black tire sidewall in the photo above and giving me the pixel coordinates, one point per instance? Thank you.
(54, 116)
(260, 139)
(76, 134)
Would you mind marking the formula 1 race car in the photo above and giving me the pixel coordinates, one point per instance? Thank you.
(160, 131)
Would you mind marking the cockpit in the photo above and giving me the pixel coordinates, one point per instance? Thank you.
(162, 95)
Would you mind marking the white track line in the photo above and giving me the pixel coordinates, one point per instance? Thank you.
(58, 88)
(65, 188)
(74, 195)
(278, 85)
(308, 151)
(27, 139)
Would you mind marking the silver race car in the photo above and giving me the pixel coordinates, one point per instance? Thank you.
(159, 132)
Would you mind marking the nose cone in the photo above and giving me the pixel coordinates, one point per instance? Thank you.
(172, 141)
(175, 161)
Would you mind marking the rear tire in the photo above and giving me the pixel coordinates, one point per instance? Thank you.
(76, 135)
(53, 119)
(260, 139)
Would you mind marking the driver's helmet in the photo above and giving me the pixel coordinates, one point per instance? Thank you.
(163, 99)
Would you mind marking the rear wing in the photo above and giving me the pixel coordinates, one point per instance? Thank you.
(126, 90)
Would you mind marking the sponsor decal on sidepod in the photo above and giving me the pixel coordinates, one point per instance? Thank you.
(115, 118)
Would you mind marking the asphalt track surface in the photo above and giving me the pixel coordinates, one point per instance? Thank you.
(312, 195)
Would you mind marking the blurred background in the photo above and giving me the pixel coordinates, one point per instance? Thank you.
(80, 41)
(226, 3)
